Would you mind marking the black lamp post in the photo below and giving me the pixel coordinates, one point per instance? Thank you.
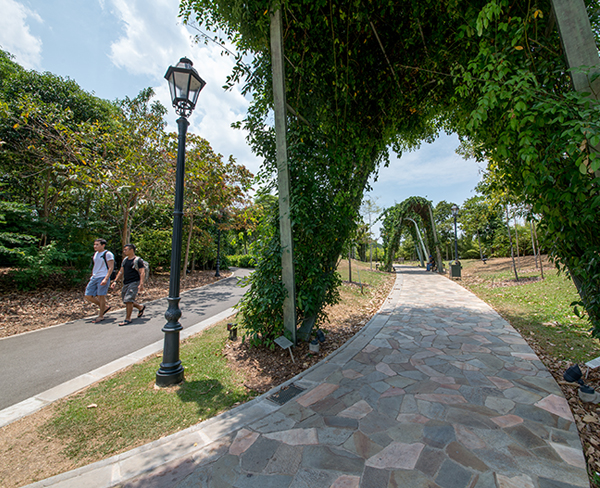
(185, 85)
(455, 214)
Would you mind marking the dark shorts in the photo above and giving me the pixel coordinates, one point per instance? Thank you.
(129, 291)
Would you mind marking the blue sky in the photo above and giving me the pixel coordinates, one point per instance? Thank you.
(115, 48)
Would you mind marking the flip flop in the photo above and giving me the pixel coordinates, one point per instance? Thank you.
(107, 309)
(97, 320)
(125, 322)
(141, 312)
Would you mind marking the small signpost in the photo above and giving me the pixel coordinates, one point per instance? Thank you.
(285, 343)
(593, 364)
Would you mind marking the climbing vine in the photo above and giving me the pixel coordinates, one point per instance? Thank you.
(365, 76)
(398, 218)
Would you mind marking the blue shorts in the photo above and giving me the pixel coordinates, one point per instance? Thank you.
(94, 287)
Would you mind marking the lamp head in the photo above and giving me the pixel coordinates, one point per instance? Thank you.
(185, 85)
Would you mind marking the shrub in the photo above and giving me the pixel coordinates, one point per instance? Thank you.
(241, 261)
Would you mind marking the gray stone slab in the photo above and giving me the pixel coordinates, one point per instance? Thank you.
(256, 458)
(452, 475)
(331, 459)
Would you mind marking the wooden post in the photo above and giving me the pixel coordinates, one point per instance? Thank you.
(438, 253)
(578, 43)
(283, 175)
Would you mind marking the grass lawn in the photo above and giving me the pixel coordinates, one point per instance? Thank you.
(539, 309)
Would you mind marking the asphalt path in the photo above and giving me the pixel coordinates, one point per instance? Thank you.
(34, 362)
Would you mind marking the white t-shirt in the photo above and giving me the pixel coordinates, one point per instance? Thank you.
(100, 268)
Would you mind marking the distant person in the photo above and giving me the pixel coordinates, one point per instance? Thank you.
(133, 272)
(430, 263)
(103, 264)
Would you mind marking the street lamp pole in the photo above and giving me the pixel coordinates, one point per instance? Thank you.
(185, 85)
(455, 214)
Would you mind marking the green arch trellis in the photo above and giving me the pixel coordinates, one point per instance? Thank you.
(420, 211)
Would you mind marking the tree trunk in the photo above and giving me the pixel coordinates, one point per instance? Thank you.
(350, 265)
(517, 241)
(479, 242)
(512, 253)
(533, 244)
(539, 251)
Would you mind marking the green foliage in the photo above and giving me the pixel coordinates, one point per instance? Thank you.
(241, 261)
(396, 221)
(520, 113)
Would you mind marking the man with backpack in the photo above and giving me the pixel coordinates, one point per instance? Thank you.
(133, 271)
(103, 264)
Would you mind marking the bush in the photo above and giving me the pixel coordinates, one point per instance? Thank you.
(241, 261)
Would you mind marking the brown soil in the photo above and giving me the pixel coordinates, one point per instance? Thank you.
(24, 311)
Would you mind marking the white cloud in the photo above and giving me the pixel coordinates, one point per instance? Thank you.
(15, 36)
(152, 40)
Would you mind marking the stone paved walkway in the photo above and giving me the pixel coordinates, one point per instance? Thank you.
(436, 391)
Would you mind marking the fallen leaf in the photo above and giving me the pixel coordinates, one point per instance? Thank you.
(92, 405)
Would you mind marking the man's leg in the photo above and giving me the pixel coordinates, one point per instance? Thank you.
(128, 310)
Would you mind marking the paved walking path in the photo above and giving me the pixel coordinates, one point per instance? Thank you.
(436, 391)
(42, 366)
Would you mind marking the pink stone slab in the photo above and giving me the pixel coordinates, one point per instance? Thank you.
(440, 398)
(350, 373)
(521, 481)
(316, 394)
(385, 369)
(507, 420)
(357, 411)
(432, 373)
(529, 356)
(370, 348)
(500, 383)
(511, 339)
(454, 330)
(480, 338)
(346, 481)
(444, 380)
(412, 418)
(556, 405)
(295, 437)
(243, 440)
(464, 366)
(474, 348)
(424, 354)
(437, 351)
(397, 456)
(468, 438)
(570, 455)
(394, 391)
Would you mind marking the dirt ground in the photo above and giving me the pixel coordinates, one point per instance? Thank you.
(24, 311)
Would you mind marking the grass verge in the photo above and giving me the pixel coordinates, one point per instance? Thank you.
(539, 309)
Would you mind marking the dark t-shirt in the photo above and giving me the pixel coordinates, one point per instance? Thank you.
(130, 274)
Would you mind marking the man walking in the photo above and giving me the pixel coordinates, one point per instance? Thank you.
(97, 288)
(133, 273)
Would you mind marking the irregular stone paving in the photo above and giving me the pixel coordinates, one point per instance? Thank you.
(437, 391)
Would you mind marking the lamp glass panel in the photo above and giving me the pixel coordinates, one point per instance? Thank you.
(195, 86)
(182, 85)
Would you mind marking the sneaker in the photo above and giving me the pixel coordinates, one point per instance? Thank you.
(588, 395)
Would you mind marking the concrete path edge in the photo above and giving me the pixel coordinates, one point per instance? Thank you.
(144, 459)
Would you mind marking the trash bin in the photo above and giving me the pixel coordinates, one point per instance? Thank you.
(455, 270)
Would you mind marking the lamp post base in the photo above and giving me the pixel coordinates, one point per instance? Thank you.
(170, 378)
